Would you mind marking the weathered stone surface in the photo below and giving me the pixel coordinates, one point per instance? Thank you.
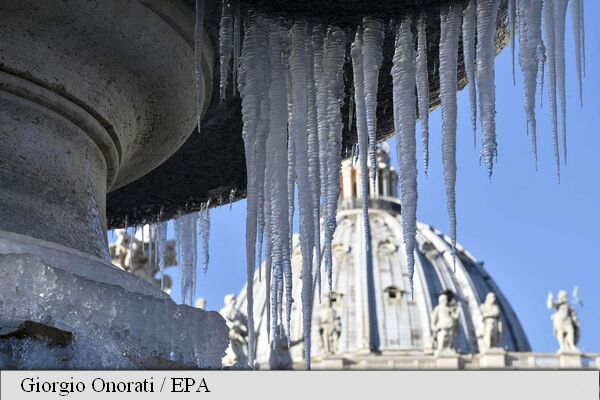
(212, 163)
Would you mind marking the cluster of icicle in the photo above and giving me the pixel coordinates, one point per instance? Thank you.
(190, 230)
(291, 85)
(290, 78)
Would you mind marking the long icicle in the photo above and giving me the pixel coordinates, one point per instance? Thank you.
(577, 22)
(422, 81)
(277, 169)
(198, 50)
(335, 55)
(372, 57)
(313, 159)
(226, 45)
(297, 130)
(252, 84)
(468, 38)
(404, 81)
(560, 13)
(512, 27)
(450, 28)
(487, 11)
(549, 41)
(530, 37)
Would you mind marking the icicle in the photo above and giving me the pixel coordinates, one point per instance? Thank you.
(450, 27)
(226, 45)
(162, 252)
(205, 235)
(297, 131)
(550, 43)
(151, 228)
(512, 27)
(357, 55)
(313, 159)
(185, 229)
(372, 56)
(582, 25)
(277, 180)
(143, 234)
(422, 82)
(530, 39)
(333, 62)
(577, 22)
(131, 240)
(231, 198)
(404, 81)
(560, 12)
(252, 87)
(487, 11)
(468, 37)
(198, 49)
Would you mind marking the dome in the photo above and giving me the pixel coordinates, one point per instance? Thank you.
(381, 316)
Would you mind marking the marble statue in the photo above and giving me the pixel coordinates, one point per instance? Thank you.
(135, 257)
(329, 328)
(201, 303)
(279, 356)
(566, 324)
(491, 324)
(237, 352)
(444, 321)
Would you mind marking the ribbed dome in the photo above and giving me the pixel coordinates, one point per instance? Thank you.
(390, 318)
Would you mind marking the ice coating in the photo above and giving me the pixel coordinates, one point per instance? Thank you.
(487, 12)
(112, 327)
(422, 81)
(372, 37)
(468, 37)
(404, 81)
(450, 29)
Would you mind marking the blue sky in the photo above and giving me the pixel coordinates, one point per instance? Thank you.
(533, 234)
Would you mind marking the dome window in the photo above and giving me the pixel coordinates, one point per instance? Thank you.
(393, 293)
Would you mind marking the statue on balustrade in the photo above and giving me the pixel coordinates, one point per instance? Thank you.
(566, 324)
(491, 327)
(444, 321)
(330, 328)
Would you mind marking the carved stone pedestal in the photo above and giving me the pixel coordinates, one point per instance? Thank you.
(331, 364)
(447, 360)
(570, 360)
(493, 358)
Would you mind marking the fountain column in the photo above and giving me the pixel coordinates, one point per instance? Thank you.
(94, 95)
